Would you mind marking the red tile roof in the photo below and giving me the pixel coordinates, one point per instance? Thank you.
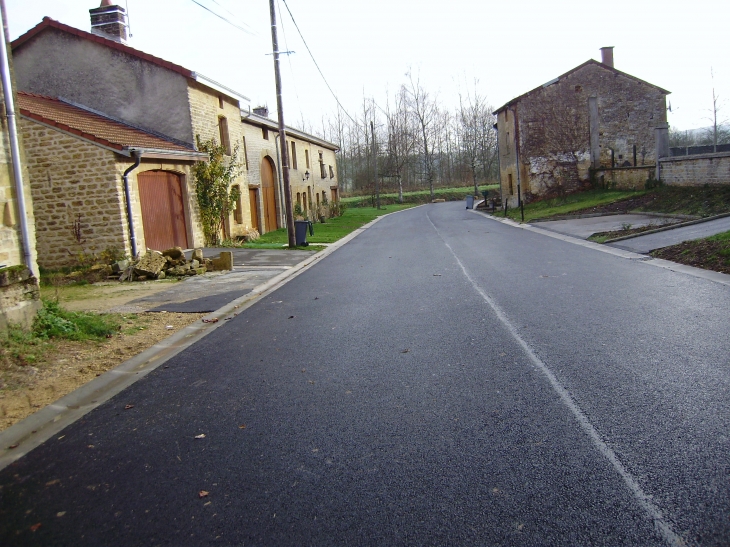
(51, 23)
(90, 126)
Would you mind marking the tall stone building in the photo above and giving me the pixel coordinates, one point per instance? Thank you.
(593, 123)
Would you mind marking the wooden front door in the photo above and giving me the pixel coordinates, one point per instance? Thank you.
(268, 189)
(253, 201)
(163, 213)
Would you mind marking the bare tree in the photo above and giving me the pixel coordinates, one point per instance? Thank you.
(426, 112)
(477, 138)
(402, 140)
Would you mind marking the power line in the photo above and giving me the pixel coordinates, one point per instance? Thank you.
(294, 80)
(315, 64)
(229, 11)
(221, 17)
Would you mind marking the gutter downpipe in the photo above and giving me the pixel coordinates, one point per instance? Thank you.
(15, 147)
(125, 179)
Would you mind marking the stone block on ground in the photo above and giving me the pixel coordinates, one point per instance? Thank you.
(150, 264)
(223, 262)
(173, 252)
(120, 266)
(194, 264)
(198, 255)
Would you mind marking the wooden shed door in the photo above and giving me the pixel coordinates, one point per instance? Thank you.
(253, 201)
(268, 189)
(163, 213)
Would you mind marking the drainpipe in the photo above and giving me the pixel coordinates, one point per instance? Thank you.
(15, 147)
(125, 178)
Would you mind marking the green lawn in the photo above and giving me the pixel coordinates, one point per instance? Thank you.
(330, 231)
(570, 203)
(418, 196)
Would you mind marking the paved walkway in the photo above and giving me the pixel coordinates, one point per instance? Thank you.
(647, 243)
(207, 293)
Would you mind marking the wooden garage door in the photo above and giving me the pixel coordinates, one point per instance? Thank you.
(268, 190)
(163, 214)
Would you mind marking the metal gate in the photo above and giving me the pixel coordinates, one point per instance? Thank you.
(163, 212)
(268, 190)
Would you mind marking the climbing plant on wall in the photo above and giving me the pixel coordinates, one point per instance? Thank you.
(213, 187)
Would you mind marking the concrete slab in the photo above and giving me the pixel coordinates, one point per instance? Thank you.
(647, 243)
(586, 227)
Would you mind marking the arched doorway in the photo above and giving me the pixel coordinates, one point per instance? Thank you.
(163, 212)
(268, 190)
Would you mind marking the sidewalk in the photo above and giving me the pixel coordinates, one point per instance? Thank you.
(646, 243)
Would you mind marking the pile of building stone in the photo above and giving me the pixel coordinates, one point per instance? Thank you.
(171, 263)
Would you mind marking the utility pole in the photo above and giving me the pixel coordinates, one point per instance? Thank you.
(375, 165)
(282, 131)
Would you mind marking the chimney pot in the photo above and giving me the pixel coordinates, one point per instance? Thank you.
(607, 56)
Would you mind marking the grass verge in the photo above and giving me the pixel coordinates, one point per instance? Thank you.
(571, 203)
(417, 197)
(330, 231)
(711, 253)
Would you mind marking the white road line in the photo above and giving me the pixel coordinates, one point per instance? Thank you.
(662, 526)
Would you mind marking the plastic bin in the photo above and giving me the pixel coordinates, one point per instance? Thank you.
(300, 232)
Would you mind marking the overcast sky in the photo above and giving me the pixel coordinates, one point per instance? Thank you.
(365, 48)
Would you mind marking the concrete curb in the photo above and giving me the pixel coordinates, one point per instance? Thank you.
(37, 428)
(717, 277)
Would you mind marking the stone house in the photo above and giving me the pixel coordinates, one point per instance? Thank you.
(592, 124)
(97, 71)
(312, 169)
(82, 164)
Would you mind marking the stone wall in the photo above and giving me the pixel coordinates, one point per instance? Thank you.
(696, 170)
(76, 192)
(59, 64)
(625, 178)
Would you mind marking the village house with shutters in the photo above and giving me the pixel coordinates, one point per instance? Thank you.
(592, 124)
(95, 108)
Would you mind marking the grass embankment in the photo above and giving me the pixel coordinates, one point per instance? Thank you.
(417, 197)
(329, 232)
(571, 204)
(712, 253)
(671, 200)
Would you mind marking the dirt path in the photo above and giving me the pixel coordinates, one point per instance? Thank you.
(67, 365)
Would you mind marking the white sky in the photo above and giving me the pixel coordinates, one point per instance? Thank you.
(366, 47)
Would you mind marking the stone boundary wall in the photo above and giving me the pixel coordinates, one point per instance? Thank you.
(625, 178)
(698, 170)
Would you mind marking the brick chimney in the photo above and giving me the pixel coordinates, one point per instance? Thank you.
(109, 21)
(607, 56)
(262, 111)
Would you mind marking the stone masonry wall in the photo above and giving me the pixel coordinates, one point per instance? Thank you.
(76, 192)
(696, 170)
(205, 112)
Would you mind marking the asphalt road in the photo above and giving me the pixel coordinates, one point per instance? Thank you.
(443, 379)
(649, 242)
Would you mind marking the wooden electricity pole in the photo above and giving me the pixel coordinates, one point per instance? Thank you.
(282, 131)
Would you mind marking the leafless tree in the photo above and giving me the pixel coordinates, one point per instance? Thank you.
(425, 110)
(477, 138)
